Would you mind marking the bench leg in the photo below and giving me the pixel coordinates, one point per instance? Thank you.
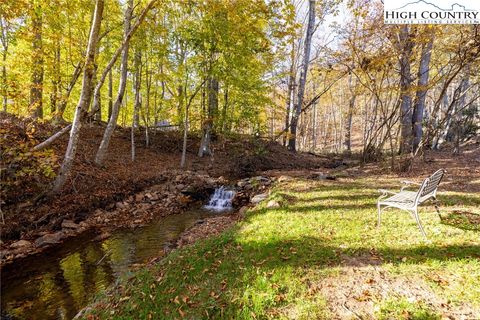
(419, 223)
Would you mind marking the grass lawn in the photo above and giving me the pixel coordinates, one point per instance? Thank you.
(318, 256)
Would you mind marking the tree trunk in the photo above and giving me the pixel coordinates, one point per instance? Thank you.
(58, 117)
(291, 85)
(212, 88)
(185, 124)
(56, 81)
(224, 109)
(303, 76)
(122, 48)
(112, 122)
(442, 134)
(36, 87)
(96, 110)
(146, 114)
(4, 77)
(185, 136)
(137, 103)
(348, 124)
(459, 122)
(419, 108)
(110, 94)
(4, 29)
(85, 98)
(406, 44)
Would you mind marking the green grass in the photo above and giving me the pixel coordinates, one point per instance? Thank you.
(264, 267)
(402, 309)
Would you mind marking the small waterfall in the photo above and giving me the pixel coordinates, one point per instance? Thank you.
(221, 200)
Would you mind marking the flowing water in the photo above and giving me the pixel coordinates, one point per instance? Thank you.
(221, 200)
(58, 283)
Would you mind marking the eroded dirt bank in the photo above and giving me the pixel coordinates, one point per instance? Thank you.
(122, 193)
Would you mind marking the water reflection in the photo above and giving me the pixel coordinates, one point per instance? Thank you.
(58, 283)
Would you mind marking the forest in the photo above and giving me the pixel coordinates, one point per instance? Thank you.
(226, 155)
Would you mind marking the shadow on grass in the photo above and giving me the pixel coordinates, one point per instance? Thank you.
(315, 251)
(462, 219)
(250, 275)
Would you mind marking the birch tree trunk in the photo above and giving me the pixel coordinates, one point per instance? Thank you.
(4, 77)
(124, 46)
(110, 94)
(112, 122)
(4, 29)
(85, 98)
(419, 107)
(58, 117)
(303, 76)
(291, 85)
(137, 103)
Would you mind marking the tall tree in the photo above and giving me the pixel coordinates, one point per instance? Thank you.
(36, 86)
(85, 97)
(405, 45)
(112, 122)
(422, 86)
(122, 49)
(212, 96)
(5, 41)
(303, 76)
(137, 103)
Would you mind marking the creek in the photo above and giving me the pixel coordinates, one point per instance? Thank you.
(60, 281)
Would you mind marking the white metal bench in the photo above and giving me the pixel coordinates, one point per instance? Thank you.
(410, 200)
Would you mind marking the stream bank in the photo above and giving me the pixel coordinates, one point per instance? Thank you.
(64, 277)
(173, 193)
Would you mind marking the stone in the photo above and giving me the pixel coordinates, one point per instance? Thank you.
(242, 183)
(283, 178)
(260, 178)
(321, 176)
(50, 238)
(272, 204)
(120, 205)
(259, 198)
(242, 212)
(139, 197)
(138, 221)
(248, 187)
(20, 244)
(102, 236)
(154, 197)
(69, 224)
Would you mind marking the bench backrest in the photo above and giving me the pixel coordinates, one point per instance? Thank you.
(429, 186)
